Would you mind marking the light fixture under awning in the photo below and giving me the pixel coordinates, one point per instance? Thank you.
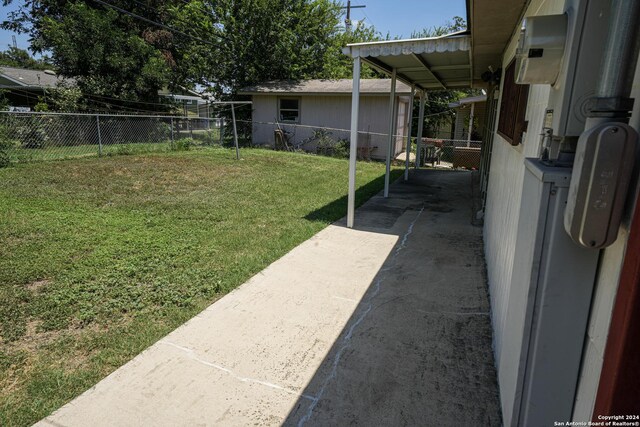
(429, 63)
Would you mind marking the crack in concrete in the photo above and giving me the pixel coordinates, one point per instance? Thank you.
(347, 338)
(193, 356)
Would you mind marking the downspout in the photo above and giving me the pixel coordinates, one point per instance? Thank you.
(612, 101)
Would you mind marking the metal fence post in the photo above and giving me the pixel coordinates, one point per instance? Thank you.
(171, 142)
(99, 136)
(221, 130)
(235, 132)
(189, 128)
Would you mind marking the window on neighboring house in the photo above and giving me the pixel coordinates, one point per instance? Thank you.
(513, 107)
(289, 110)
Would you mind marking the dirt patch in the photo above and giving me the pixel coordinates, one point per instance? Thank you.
(33, 338)
(37, 285)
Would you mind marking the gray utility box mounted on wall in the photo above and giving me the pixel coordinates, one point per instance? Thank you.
(551, 287)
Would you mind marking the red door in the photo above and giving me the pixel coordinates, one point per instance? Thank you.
(619, 389)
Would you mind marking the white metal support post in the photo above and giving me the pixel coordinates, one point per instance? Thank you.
(408, 122)
(353, 147)
(235, 132)
(423, 99)
(473, 105)
(392, 121)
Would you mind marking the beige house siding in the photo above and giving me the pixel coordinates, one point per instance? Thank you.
(330, 111)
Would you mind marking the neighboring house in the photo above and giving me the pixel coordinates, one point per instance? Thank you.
(190, 103)
(565, 316)
(474, 106)
(24, 87)
(301, 108)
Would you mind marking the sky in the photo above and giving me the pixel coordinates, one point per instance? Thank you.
(400, 17)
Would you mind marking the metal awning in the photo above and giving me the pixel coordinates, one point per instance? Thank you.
(433, 63)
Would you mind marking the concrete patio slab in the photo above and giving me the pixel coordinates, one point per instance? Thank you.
(385, 324)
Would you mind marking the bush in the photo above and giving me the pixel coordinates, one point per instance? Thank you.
(327, 146)
(183, 144)
(341, 148)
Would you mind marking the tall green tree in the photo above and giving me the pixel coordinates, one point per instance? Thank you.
(219, 44)
(16, 57)
(110, 54)
(279, 40)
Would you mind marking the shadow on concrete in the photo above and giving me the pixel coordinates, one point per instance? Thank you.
(417, 349)
(335, 210)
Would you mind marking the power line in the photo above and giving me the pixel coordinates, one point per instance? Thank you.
(188, 3)
(216, 105)
(166, 27)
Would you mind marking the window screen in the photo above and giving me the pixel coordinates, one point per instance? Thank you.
(513, 107)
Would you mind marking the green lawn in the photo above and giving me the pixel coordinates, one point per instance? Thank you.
(101, 257)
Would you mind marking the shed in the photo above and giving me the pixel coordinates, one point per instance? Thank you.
(313, 113)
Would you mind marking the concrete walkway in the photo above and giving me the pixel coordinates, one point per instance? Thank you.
(387, 324)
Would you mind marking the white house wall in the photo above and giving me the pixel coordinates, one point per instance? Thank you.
(500, 230)
(505, 186)
(332, 112)
(503, 202)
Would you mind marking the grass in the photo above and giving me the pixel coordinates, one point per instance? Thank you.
(101, 257)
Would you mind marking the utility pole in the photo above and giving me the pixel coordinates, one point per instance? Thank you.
(347, 21)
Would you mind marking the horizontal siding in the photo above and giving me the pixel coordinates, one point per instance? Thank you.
(328, 112)
(504, 196)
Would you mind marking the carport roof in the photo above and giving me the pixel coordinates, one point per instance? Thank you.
(433, 63)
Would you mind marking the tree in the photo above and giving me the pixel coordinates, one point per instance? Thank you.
(338, 65)
(279, 40)
(115, 58)
(16, 57)
(453, 26)
(221, 45)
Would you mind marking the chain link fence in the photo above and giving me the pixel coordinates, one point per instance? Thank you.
(48, 136)
(444, 153)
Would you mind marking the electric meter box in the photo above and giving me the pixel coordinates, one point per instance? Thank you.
(540, 50)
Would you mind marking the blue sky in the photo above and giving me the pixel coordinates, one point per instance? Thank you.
(402, 17)
(399, 18)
